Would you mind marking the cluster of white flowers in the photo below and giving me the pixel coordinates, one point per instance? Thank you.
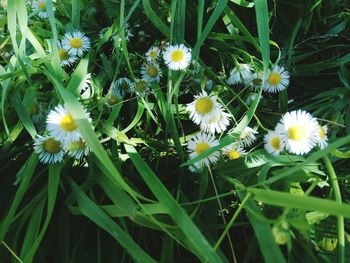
(276, 81)
(63, 137)
(298, 132)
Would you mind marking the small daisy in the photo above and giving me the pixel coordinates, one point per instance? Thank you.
(75, 43)
(152, 54)
(277, 80)
(39, 6)
(140, 87)
(240, 74)
(62, 126)
(49, 150)
(200, 143)
(37, 112)
(251, 98)
(77, 149)
(66, 59)
(247, 137)
(216, 123)
(177, 57)
(254, 81)
(274, 143)
(233, 151)
(203, 108)
(322, 138)
(151, 72)
(123, 85)
(113, 96)
(299, 130)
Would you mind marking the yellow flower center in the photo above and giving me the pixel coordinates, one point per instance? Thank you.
(153, 54)
(42, 5)
(140, 86)
(232, 155)
(52, 146)
(76, 42)
(257, 82)
(177, 55)
(68, 123)
(34, 109)
(274, 78)
(204, 105)
(322, 133)
(63, 55)
(152, 71)
(297, 132)
(276, 143)
(112, 100)
(75, 146)
(201, 147)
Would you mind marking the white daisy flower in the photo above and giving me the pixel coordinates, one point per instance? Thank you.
(254, 81)
(66, 59)
(277, 80)
(152, 54)
(7, 54)
(247, 137)
(203, 108)
(37, 112)
(75, 43)
(233, 151)
(299, 130)
(200, 143)
(123, 85)
(151, 72)
(113, 96)
(62, 126)
(216, 123)
(177, 57)
(49, 149)
(322, 138)
(39, 6)
(240, 74)
(77, 149)
(140, 87)
(274, 143)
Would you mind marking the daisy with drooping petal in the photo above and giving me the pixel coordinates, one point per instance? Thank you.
(152, 54)
(62, 126)
(36, 112)
(49, 149)
(177, 57)
(39, 6)
(322, 138)
(123, 85)
(233, 151)
(274, 143)
(239, 74)
(75, 43)
(86, 90)
(200, 143)
(299, 131)
(151, 72)
(77, 149)
(140, 87)
(247, 137)
(254, 81)
(216, 123)
(277, 80)
(66, 59)
(203, 108)
(113, 96)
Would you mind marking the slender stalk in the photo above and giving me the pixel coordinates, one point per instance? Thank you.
(12, 252)
(222, 215)
(246, 198)
(340, 219)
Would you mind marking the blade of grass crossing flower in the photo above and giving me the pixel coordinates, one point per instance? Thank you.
(26, 173)
(78, 77)
(96, 214)
(195, 237)
(155, 19)
(76, 13)
(52, 188)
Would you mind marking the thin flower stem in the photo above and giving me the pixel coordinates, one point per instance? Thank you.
(340, 219)
(246, 198)
(12, 252)
(222, 215)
